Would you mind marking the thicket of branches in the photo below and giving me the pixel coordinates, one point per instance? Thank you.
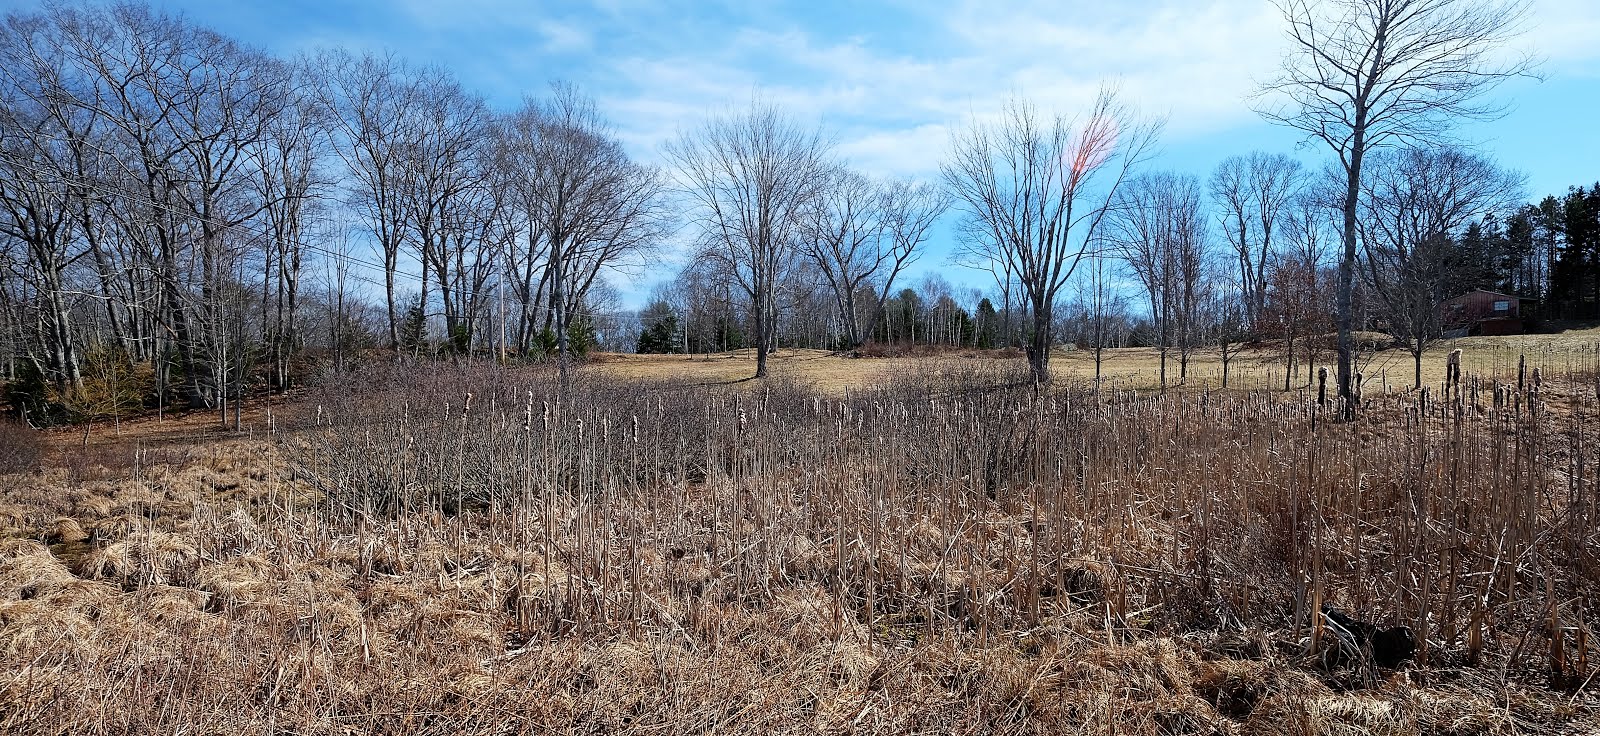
(171, 197)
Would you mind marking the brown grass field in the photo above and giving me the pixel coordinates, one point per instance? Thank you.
(1136, 368)
(874, 546)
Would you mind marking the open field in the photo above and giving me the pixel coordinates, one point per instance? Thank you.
(1138, 368)
(857, 546)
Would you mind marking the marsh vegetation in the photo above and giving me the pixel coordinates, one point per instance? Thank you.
(951, 551)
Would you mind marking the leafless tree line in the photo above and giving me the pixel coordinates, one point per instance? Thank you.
(169, 193)
(770, 198)
(1035, 189)
(1365, 75)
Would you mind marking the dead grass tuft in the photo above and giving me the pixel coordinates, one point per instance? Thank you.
(66, 530)
(29, 571)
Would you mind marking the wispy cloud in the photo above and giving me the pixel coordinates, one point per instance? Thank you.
(1567, 34)
(891, 79)
(890, 102)
(564, 38)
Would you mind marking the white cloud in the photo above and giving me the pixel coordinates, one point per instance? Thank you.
(892, 99)
(894, 107)
(564, 38)
(1567, 34)
(893, 78)
(900, 152)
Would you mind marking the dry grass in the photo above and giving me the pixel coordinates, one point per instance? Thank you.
(819, 368)
(629, 557)
(1258, 367)
(20, 448)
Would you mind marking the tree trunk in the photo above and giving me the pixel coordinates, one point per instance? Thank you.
(558, 297)
(1039, 346)
(388, 298)
(1164, 337)
(762, 328)
(290, 331)
(191, 361)
(62, 348)
(1416, 356)
(852, 325)
(1344, 301)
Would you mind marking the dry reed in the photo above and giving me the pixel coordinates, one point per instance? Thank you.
(952, 551)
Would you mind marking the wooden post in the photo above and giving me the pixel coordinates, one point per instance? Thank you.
(1452, 373)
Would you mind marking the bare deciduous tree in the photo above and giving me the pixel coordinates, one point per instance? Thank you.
(842, 234)
(184, 107)
(1158, 227)
(751, 176)
(1364, 74)
(290, 184)
(440, 178)
(588, 206)
(1037, 188)
(1298, 297)
(1102, 307)
(1414, 204)
(861, 235)
(1252, 192)
(36, 207)
(368, 100)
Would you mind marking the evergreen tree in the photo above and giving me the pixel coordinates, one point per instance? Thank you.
(1574, 281)
(581, 336)
(661, 330)
(988, 325)
(1519, 269)
(1583, 235)
(1479, 258)
(413, 329)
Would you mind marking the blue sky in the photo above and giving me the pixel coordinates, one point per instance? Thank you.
(892, 79)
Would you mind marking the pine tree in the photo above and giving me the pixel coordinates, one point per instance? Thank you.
(1575, 274)
(988, 326)
(413, 329)
(660, 336)
(661, 332)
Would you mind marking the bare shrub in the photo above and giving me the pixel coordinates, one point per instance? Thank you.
(21, 448)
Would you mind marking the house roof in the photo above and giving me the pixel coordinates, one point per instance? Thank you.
(1484, 291)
